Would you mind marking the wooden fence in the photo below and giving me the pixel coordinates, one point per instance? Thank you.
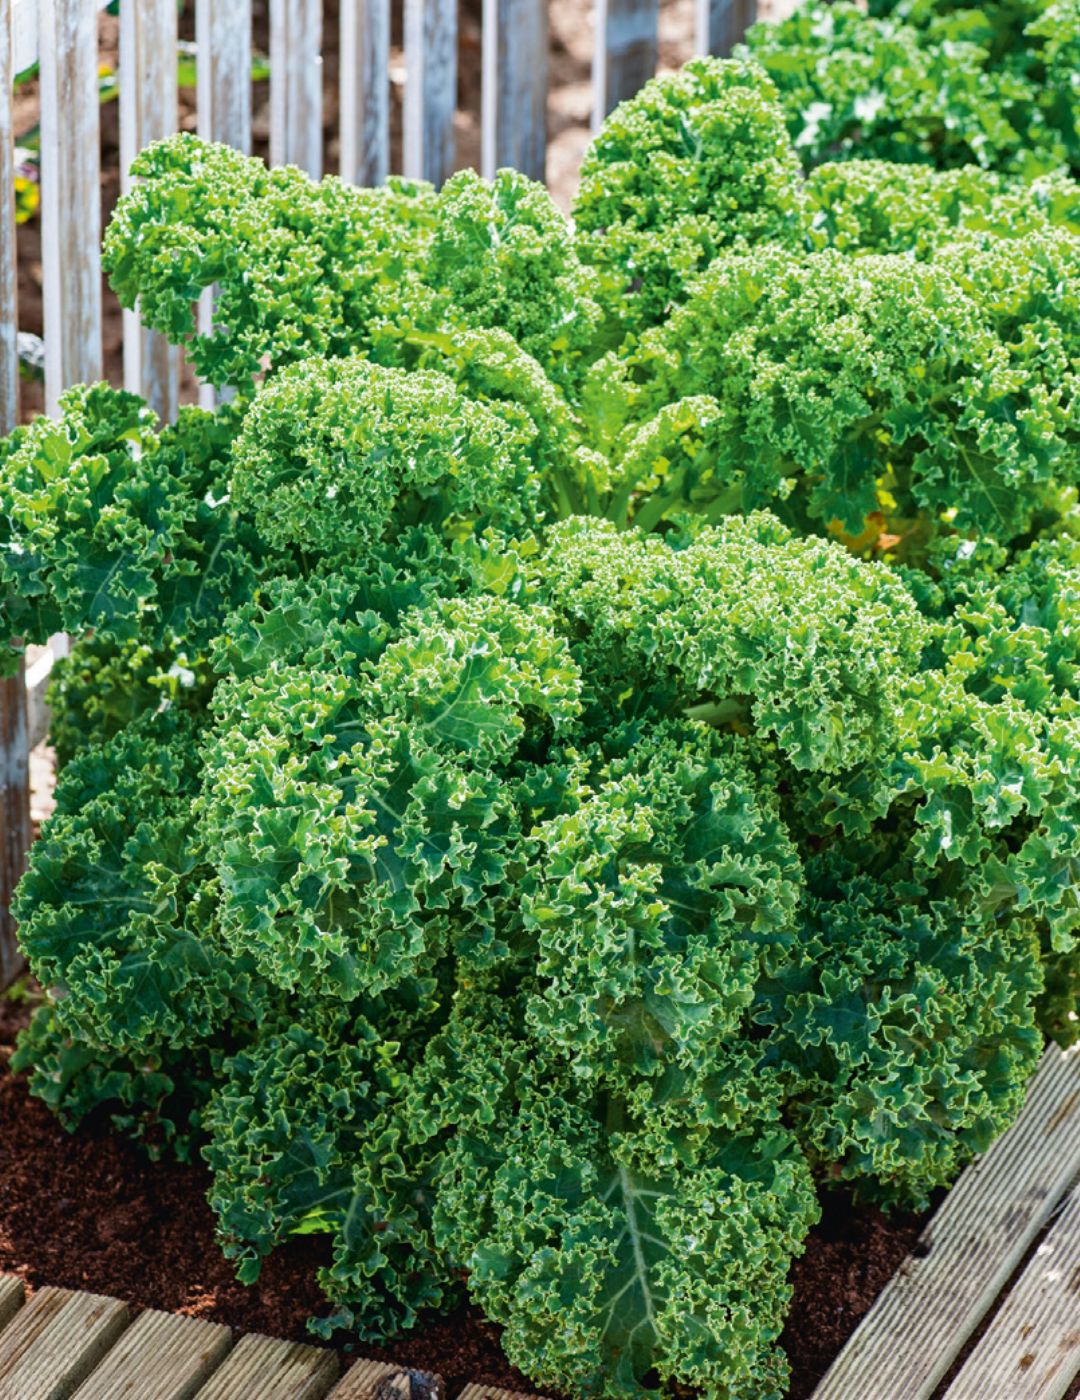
(61, 36)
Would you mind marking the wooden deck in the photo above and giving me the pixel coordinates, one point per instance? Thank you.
(60, 1345)
(996, 1273)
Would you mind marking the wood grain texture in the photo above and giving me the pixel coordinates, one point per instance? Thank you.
(55, 1341)
(1031, 1350)
(720, 24)
(360, 1380)
(159, 1355)
(430, 89)
(148, 112)
(70, 195)
(262, 1368)
(27, 32)
(624, 51)
(296, 84)
(919, 1323)
(12, 1297)
(9, 287)
(515, 87)
(365, 91)
(223, 77)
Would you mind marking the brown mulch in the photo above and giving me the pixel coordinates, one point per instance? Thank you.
(90, 1211)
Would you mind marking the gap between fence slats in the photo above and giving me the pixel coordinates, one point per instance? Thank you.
(296, 84)
(720, 24)
(70, 195)
(365, 91)
(223, 85)
(624, 51)
(915, 1330)
(515, 87)
(430, 89)
(148, 112)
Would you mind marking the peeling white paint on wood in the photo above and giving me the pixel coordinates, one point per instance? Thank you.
(430, 89)
(515, 87)
(70, 195)
(365, 91)
(148, 112)
(296, 84)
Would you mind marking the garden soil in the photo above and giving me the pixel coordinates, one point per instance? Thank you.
(90, 1211)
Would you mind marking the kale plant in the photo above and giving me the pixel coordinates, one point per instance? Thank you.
(582, 747)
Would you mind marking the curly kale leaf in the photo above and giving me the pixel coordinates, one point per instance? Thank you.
(299, 269)
(338, 457)
(694, 164)
(795, 636)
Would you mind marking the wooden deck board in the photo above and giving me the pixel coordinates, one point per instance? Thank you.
(55, 1341)
(359, 1381)
(12, 1297)
(262, 1368)
(916, 1329)
(162, 1355)
(1031, 1350)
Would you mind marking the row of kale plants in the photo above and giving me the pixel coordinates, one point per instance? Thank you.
(582, 747)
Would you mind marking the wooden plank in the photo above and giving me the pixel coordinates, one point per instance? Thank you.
(515, 87)
(430, 89)
(12, 1297)
(160, 1355)
(70, 195)
(720, 24)
(262, 1368)
(26, 32)
(55, 1341)
(223, 79)
(296, 84)
(365, 91)
(624, 51)
(38, 674)
(360, 1381)
(148, 112)
(919, 1323)
(1031, 1350)
(9, 286)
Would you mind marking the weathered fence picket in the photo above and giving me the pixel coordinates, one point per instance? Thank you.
(720, 24)
(365, 91)
(430, 89)
(515, 87)
(148, 111)
(223, 77)
(624, 51)
(296, 84)
(70, 194)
